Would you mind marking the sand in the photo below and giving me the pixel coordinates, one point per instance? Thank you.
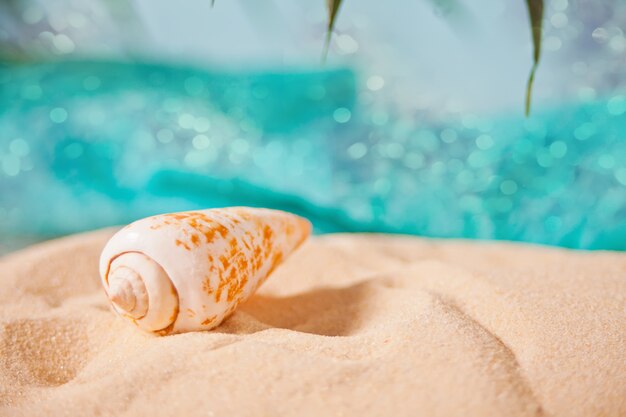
(350, 325)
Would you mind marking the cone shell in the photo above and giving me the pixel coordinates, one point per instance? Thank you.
(188, 271)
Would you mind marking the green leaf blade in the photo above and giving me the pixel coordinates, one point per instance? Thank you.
(333, 8)
(535, 13)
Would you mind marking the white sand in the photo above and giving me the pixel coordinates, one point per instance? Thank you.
(348, 326)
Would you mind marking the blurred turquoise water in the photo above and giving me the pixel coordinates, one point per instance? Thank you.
(90, 144)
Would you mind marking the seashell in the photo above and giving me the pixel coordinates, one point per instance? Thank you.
(188, 271)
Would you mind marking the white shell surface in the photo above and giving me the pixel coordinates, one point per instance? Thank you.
(215, 258)
(156, 299)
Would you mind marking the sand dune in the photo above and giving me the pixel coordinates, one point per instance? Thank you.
(350, 325)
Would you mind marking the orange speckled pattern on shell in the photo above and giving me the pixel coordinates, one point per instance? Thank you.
(215, 258)
(245, 254)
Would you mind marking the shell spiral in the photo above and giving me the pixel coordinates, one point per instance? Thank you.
(188, 271)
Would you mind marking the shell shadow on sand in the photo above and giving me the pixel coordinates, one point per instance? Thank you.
(321, 311)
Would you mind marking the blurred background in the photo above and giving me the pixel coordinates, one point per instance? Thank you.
(112, 110)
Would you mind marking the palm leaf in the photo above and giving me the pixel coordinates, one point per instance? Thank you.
(535, 12)
(333, 8)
